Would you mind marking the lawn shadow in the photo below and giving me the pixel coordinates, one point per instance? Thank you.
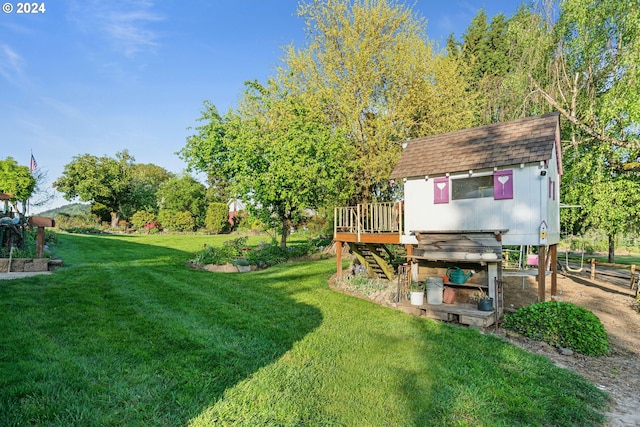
(126, 334)
(479, 377)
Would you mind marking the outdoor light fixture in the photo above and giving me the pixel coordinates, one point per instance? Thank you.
(470, 172)
(426, 177)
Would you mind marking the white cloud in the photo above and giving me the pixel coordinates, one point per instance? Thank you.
(11, 64)
(64, 109)
(126, 24)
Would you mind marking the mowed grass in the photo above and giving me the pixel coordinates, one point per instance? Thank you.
(127, 335)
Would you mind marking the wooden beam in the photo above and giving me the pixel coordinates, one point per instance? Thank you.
(553, 251)
(542, 267)
(389, 238)
(40, 242)
(339, 258)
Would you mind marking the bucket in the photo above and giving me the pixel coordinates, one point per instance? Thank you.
(435, 287)
(417, 298)
(485, 304)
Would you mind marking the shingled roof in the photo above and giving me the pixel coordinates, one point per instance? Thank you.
(531, 139)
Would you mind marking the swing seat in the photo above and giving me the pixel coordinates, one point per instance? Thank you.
(532, 259)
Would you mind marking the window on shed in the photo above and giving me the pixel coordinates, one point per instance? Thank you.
(474, 187)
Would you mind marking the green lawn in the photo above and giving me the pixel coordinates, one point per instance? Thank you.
(126, 335)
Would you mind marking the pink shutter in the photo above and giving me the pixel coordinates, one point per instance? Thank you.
(441, 190)
(503, 185)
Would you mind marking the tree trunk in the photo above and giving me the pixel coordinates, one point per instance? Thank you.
(286, 224)
(612, 246)
(115, 219)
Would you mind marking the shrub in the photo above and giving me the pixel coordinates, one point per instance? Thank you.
(264, 255)
(561, 324)
(176, 221)
(229, 251)
(214, 255)
(268, 255)
(142, 218)
(217, 218)
(69, 223)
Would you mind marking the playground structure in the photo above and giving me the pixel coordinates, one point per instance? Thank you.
(13, 229)
(469, 195)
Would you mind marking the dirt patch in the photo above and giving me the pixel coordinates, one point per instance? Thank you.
(617, 373)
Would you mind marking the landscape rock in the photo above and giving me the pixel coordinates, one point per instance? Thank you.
(565, 351)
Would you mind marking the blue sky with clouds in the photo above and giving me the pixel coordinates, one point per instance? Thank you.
(99, 76)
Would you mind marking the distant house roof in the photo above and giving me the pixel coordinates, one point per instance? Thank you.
(527, 140)
(236, 205)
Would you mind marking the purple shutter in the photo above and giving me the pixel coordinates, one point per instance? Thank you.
(441, 190)
(503, 185)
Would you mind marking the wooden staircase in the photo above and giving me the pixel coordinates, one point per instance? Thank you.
(375, 258)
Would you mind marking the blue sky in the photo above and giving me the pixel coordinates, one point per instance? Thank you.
(99, 76)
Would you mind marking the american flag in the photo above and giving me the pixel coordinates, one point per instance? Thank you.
(33, 165)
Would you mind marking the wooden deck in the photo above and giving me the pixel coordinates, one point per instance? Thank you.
(388, 238)
(367, 228)
(369, 223)
(463, 313)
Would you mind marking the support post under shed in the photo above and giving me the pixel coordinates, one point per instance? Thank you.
(545, 259)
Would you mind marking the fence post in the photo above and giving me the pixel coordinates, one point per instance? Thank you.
(633, 276)
(593, 268)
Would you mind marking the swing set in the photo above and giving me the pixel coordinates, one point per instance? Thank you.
(566, 254)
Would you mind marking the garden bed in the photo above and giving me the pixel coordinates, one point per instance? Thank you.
(27, 265)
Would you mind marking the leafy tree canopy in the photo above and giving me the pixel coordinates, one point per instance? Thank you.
(145, 182)
(183, 194)
(104, 180)
(16, 180)
(372, 72)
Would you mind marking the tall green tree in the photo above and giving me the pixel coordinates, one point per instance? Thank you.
(500, 56)
(286, 158)
(210, 134)
(596, 88)
(145, 182)
(16, 180)
(596, 71)
(104, 180)
(475, 46)
(183, 194)
(369, 67)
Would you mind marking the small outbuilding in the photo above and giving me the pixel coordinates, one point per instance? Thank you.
(504, 176)
(472, 191)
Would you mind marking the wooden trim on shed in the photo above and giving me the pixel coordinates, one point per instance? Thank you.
(390, 238)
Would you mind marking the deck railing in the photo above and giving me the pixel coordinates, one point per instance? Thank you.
(385, 217)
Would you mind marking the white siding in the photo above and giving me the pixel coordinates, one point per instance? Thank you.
(521, 215)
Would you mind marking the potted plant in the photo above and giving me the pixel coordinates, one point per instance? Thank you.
(242, 265)
(485, 302)
(417, 293)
